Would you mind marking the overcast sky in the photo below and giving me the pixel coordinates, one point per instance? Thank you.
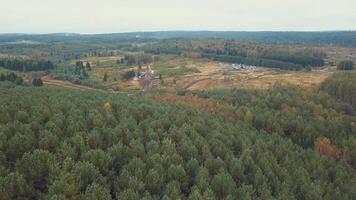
(103, 16)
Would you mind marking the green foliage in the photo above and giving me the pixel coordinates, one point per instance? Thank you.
(36, 168)
(223, 185)
(80, 71)
(137, 59)
(154, 181)
(250, 53)
(62, 144)
(129, 75)
(342, 86)
(14, 186)
(345, 65)
(105, 78)
(11, 77)
(37, 82)
(128, 194)
(25, 65)
(97, 192)
(293, 114)
(88, 66)
(255, 62)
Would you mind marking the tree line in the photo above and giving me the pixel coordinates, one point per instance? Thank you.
(268, 56)
(255, 62)
(18, 80)
(81, 70)
(250, 53)
(345, 65)
(25, 65)
(11, 77)
(342, 86)
(136, 59)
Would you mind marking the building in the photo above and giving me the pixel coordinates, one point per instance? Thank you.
(242, 67)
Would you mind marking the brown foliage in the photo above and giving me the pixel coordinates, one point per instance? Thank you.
(323, 146)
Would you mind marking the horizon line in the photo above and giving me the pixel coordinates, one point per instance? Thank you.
(157, 31)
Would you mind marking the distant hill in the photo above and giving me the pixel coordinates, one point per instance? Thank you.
(340, 38)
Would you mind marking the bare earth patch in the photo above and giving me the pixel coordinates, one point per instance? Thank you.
(213, 76)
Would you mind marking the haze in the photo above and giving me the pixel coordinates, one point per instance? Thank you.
(88, 16)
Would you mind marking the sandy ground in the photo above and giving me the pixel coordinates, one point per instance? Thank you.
(213, 75)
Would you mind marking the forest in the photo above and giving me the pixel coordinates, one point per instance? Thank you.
(11, 77)
(66, 144)
(342, 38)
(25, 65)
(249, 53)
(77, 121)
(342, 86)
(301, 117)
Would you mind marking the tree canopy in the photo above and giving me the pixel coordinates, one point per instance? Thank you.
(63, 144)
(25, 65)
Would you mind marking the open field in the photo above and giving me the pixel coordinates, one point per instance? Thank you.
(114, 79)
(261, 78)
(197, 74)
(213, 75)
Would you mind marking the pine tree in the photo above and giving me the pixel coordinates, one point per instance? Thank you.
(37, 82)
(88, 66)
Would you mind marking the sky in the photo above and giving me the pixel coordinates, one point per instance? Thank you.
(109, 16)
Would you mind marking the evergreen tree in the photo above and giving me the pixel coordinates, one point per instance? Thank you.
(37, 82)
(88, 66)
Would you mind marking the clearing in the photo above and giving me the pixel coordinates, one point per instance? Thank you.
(48, 81)
(198, 74)
(213, 75)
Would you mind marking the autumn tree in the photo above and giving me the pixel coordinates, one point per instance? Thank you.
(323, 146)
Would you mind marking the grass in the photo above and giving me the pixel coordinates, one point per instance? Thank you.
(169, 65)
(177, 71)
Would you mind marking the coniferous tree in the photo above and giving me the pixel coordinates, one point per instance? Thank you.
(345, 65)
(37, 82)
(88, 66)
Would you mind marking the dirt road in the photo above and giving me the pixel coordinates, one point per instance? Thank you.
(48, 81)
(194, 82)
